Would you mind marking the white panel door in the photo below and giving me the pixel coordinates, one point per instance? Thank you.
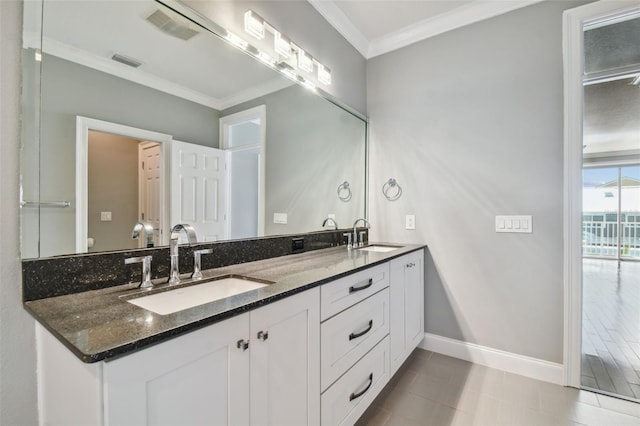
(150, 209)
(198, 189)
(201, 378)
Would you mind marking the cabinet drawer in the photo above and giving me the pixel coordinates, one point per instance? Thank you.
(338, 295)
(349, 335)
(345, 401)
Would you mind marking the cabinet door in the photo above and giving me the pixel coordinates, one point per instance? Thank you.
(285, 361)
(414, 300)
(201, 378)
(397, 312)
(406, 305)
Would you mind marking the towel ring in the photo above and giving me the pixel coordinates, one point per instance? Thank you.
(389, 193)
(344, 191)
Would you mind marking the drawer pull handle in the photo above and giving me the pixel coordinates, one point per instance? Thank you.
(362, 333)
(263, 335)
(357, 395)
(353, 289)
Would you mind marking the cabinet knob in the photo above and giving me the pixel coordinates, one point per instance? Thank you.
(242, 344)
(411, 265)
(263, 335)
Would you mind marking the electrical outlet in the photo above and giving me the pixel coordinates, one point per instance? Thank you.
(280, 218)
(105, 217)
(410, 221)
(297, 244)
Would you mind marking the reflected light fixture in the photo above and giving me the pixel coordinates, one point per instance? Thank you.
(305, 62)
(283, 48)
(236, 41)
(324, 74)
(266, 59)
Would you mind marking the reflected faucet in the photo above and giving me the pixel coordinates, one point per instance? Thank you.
(174, 274)
(148, 231)
(360, 243)
(330, 219)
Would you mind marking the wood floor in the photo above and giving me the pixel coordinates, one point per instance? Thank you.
(611, 327)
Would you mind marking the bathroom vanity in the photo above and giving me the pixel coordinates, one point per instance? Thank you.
(314, 347)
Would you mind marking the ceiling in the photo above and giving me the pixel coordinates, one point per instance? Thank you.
(375, 27)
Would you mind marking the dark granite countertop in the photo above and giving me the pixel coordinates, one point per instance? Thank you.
(100, 324)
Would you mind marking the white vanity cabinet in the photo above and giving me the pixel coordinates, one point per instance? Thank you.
(406, 305)
(355, 344)
(206, 377)
(196, 379)
(317, 357)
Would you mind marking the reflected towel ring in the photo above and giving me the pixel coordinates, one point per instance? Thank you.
(344, 191)
(389, 193)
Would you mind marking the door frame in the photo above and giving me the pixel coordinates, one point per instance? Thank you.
(574, 21)
(259, 112)
(83, 125)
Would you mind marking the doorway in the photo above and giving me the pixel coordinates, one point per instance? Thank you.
(243, 137)
(85, 126)
(600, 47)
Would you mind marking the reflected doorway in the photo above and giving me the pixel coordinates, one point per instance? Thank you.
(124, 183)
(243, 137)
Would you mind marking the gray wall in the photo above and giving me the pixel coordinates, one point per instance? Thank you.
(18, 403)
(305, 26)
(470, 124)
(112, 186)
(69, 89)
(307, 158)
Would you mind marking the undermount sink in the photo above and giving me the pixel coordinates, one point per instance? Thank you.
(380, 248)
(199, 293)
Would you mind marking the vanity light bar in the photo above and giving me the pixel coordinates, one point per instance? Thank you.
(253, 24)
(257, 27)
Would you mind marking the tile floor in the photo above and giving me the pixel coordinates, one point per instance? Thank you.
(434, 389)
(611, 327)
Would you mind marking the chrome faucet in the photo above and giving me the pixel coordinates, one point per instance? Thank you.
(360, 243)
(148, 231)
(330, 219)
(174, 274)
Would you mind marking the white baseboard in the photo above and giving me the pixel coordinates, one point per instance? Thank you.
(494, 358)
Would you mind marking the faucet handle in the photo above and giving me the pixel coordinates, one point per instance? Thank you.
(197, 263)
(348, 235)
(361, 241)
(145, 281)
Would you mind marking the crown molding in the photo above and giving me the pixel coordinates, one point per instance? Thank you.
(476, 11)
(338, 20)
(90, 60)
(255, 92)
(456, 18)
(84, 58)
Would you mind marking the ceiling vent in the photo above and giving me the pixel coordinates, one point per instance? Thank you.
(170, 26)
(126, 60)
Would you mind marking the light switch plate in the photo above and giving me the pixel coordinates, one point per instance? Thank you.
(280, 218)
(105, 216)
(410, 221)
(515, 224)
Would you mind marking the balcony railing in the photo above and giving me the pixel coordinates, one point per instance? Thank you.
(600, 238)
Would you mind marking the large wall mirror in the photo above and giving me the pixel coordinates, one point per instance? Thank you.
(139, 110)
